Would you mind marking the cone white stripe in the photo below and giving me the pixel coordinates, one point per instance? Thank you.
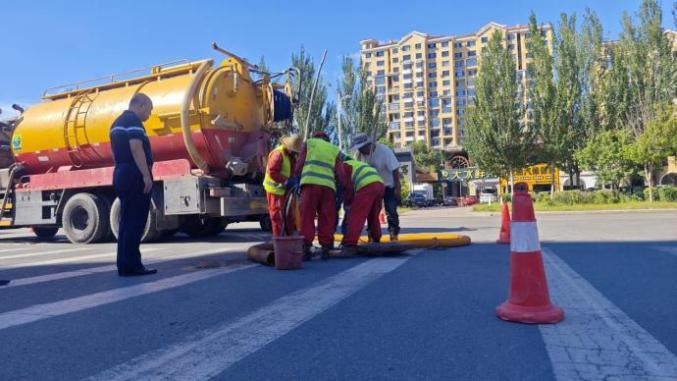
(524, 237)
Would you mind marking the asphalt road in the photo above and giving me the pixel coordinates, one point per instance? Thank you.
(429, 315)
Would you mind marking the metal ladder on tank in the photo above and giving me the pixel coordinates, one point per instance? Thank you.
(76, 125)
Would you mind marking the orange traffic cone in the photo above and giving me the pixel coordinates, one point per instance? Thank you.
(529, 299)
(504, 235)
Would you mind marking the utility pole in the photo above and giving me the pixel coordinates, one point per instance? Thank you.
(339, 108)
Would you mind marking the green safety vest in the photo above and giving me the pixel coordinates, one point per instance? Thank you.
(270, 185)
(319, 166)
(363, 174)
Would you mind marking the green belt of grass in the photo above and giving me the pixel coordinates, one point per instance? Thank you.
(542, 207)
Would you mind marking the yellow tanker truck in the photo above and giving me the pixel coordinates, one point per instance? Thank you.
(210, 133)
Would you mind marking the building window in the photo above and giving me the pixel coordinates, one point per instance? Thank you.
(445, 73)
(445, 63)
(419, 75)
(431, 45)
(419, 56)
(458, 73)
(445, 53)
(511, 36)
(381, 72)
(433, 94)
(470, 43)
(406, 76)
(472, 72)
(379, 53)
(460, 102)
(367, 55)
(394, 50)
(471, 62)
(396, 60)
(432, 84)
(485, 39)
(406, 57)
(380, 63)
(445, 44)
(459, 63)
(472, 53)
(420, 94)
(458, 45)
(417, 46)
(460, 92)
(432, 65)
(406, 48)
(432, 74)
(458, 55)
(432, 55)
(511, 47)
(396, 70)
(446, 83)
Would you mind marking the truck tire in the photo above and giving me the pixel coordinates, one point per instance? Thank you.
(150, 232)
(265, 223)
(45, 233)
(196, 227)
(85, 218)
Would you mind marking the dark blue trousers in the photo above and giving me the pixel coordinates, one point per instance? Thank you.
(390, 203)
(134, 207)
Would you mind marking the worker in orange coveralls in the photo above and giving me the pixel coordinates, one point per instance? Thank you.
(318, 170)
(366, 204)
(281, 161)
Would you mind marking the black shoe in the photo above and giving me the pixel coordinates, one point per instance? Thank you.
(326, 251)
(307, 252)
(139, 272)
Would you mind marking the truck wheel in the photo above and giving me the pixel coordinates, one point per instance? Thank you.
(45, 233)
(197, 227)
(150, 231)
(86, 218)
(266, 224)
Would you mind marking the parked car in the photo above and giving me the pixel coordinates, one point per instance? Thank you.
(419, 199)
(450, 201)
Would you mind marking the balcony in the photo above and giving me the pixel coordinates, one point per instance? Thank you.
(409, 119)
(394, 107)
(406, 71)
(420, 118)
(394, 126)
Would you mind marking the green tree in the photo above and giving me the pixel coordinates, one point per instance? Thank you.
(322, 116)
(649, 73)
(497, 138)
(609, 155)
(658, 140)
(362, 108)
(426, 157)
(553, 135)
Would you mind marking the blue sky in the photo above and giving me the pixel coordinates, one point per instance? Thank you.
(51, 43)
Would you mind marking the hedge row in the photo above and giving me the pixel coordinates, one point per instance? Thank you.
(576, 197)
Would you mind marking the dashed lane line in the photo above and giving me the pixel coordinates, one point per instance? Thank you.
(210, 352)
(49, 310)
(597, 340)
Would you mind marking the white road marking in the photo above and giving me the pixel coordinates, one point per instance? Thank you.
(102, 269)
(597, 340)
(27, 255)
(14, 249)
(110, 255)
(210, 352)
(62, 307)
(667, 249)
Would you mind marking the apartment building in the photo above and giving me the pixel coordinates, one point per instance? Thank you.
(426, 82)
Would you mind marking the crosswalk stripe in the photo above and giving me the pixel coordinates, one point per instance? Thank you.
(667, 249)
(62, 307)
(24, 247)
(597, 340)
(28, 255)
(102, 269)
(110, 255)
(212, 351)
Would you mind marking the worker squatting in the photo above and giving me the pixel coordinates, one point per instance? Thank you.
(326, 178)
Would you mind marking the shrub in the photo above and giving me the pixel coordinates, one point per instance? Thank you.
(662, 193)
(506, 197)
(604, 197)
(543, 197)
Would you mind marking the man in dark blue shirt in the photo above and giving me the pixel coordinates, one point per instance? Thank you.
(133, 182)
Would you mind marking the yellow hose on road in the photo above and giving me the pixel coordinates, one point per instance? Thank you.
(422, 240)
